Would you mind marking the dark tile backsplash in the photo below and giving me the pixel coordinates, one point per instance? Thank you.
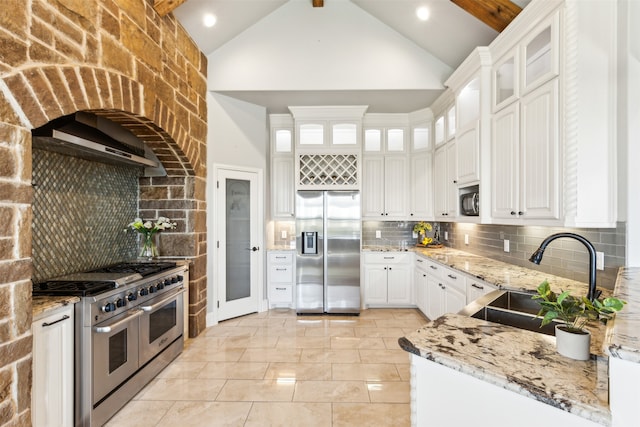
(80, 211)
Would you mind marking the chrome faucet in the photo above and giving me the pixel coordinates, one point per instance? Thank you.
(536, 257)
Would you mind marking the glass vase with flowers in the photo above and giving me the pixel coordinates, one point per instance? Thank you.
(147, 230)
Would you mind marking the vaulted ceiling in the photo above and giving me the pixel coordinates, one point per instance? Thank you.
(446, 39)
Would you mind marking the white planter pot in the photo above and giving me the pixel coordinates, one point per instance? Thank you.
(572, 344)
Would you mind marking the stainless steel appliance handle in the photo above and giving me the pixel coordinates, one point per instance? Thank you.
(147, 308)
(107, 329)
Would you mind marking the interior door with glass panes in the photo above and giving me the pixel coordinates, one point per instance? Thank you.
(238, 245)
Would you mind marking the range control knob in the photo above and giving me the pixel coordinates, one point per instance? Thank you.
(167, 282)
(160, 286)
(152, 289)
(174, 279)
(108, 307)
(132, 296)
(143, 292)
(121, 302)
(180, 278)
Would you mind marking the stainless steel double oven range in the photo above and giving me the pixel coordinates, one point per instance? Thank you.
(128, 327)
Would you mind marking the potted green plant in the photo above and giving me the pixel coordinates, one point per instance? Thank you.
(572, 339)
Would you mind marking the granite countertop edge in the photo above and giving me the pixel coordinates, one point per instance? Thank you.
(43, 305)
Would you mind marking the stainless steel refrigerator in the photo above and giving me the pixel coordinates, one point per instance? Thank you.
(328, 252)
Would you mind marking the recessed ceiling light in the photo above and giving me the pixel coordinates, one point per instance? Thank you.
(423, 13)
(209, 20)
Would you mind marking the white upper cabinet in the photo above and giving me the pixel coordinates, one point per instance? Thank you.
(505, 80)
(396, 140)
(281, 184)
(439, 130)
(382, 140)
(311, 134)
(283, 141)
(344, 134)
(451, 122)
(421, 140)
(540, 53)
(333, 128)
(385, 187)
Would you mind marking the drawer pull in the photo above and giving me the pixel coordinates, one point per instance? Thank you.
(281, 269)
(419, 260)
(281, 289)
(452, 276)
(389, 257)
(281, 257)
(433, 267)
(62, 319)
(442, 286)
(477, 286)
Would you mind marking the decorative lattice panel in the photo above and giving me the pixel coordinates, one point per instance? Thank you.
(80, 209)
(328, 170)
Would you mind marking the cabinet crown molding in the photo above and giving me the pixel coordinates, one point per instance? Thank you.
(478, 58)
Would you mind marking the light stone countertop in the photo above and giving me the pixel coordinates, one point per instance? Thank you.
(42, 305)
(623, 334)
(518, 360)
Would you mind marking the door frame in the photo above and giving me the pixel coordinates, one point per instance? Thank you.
(214, 224)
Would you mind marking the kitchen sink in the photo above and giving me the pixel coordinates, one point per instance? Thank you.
(510, 308)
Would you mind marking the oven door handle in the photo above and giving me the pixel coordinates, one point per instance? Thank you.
(148, 308)
(107, 329)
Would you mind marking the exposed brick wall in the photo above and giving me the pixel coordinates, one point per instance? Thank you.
(119, 59)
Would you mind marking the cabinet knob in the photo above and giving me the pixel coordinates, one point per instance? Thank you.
(513, 212)
(411, 214)
(452, 276)
(520, 213)
(382, 214)
(386, 213)
(455, 181)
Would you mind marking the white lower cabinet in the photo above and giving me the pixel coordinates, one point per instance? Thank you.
(445, 290)
(420, 284)
(387, 279)
(280, 278)
(477, 288)
(52, 394)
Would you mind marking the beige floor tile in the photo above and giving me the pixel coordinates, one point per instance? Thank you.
(211, 354)
(234, 370)
(264, 322)
(357, 342)
(329, 332)
(256, 341)
(257, 391)
(299, 371)
(139, 414)
(331, 391)
(206, 414)
(405, 371)
(373, 414)
(380, 332)
(289, 414)
(351, 322)
(391, 343)
(403, 323)
(318, 355)
(307, 322)
(204, 341)
(364, 372)
(384, 356)
(271, 355)
(389, 392)
(377, 313)
(180, 369)
(280, 332)
(182, 389)
(303, 342)
(230, 331)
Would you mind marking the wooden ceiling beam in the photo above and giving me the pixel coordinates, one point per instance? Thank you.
(495, 13)
(165, 7)
(317, 3)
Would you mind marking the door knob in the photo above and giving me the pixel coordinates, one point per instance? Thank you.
(253, 249)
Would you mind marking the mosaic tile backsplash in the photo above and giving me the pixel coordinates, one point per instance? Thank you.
(80, 211)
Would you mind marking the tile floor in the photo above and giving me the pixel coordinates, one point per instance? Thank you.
(279, 369)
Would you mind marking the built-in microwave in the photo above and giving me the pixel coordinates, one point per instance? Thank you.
(469, 205)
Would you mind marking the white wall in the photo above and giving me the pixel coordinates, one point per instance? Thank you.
(336, 47)
(237, 136)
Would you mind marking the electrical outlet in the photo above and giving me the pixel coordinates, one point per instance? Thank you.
(378, 234)
(466, 239)
(502, 235)
(283, 234)
(600, 260)
(414, 235)
(446, 235)
(506, 245)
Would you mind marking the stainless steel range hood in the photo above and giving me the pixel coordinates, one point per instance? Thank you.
(88, 136)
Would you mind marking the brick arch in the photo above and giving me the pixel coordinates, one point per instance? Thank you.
(43, 93)
(46, 93)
